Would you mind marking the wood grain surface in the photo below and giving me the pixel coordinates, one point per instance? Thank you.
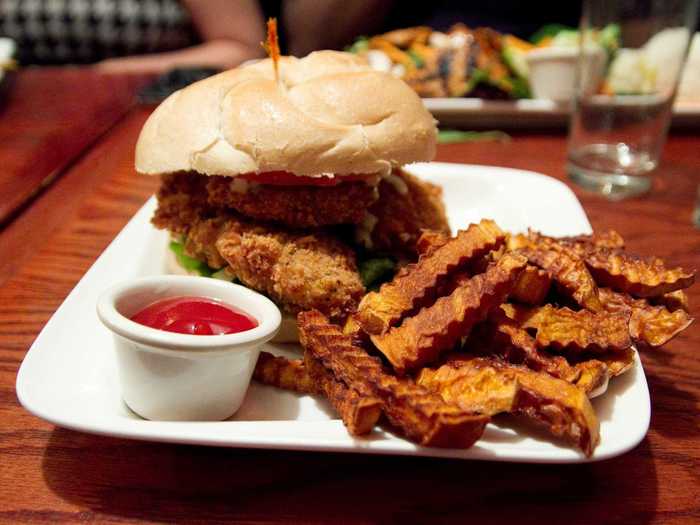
(50, 115)
(53, 474)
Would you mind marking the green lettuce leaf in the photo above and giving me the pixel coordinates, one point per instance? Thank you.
(190, 263)
(376, 271)
(359, 46)
(521, 88)
(223, 275)
(453, 136)
(549, 30)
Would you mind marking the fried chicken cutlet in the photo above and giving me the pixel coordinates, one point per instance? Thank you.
(294, 206)
(406, 206)
(299, 270)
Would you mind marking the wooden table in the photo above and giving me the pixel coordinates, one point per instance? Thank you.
(48, 117)
(52, 474)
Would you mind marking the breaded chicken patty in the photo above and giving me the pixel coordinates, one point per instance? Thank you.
(406, 206)
(293, 206)
(182, 200)
(299, 270)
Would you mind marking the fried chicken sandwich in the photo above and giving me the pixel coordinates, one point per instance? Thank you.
(285, 177)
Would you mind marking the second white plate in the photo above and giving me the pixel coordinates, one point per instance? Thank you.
(524, 113)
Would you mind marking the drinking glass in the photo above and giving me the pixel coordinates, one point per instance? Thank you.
(622, 111)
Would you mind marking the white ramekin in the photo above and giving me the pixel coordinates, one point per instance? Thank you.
(178, 377)
(553, 71)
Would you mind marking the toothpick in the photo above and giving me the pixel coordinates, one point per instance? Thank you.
(272, 46)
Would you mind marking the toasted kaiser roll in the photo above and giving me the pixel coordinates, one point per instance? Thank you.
(329, 114)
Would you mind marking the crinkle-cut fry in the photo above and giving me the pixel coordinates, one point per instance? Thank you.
(518, 241)
(563, 329)
(475, 384)
(634, 275)
(618, 362)
(430, 240)
(512, 343)
(416, 284)
(435, 329)
(492, 386)
(578, 244)
(676, 300)
(359, 413)
(640, 277)
(532, 286)
(288, 374)
(353, 329)
(418, 413)
(593, 377)
(653, 325)
(606, 239)
(569, 272)
(516, 346)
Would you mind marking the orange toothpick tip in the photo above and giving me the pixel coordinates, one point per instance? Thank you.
(272, 45)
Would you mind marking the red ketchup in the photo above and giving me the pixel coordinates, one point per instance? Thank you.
(194, 316)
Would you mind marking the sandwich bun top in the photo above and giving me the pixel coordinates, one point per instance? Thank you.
(330, 113)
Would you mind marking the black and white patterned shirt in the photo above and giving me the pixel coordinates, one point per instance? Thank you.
(85, 31)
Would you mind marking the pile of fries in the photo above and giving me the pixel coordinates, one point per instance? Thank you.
(488, 323)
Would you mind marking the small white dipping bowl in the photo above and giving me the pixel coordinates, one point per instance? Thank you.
(553, 71)
(168, 376)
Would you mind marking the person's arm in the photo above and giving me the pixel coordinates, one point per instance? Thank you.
(231, 33)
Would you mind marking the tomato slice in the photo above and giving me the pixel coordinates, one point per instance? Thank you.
(285, 178)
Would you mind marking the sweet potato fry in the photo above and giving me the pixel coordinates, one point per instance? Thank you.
(618, 362)
(508, 340)
(491, 386)
(673, 301)
(577, 244)
(606, 239)
(634, 275)
(353, 329)
(516, 346)
(416, 284)
(532, 286)
(611, 266)
(593, 377)
(406, 37)
(473, 383)
(419, 414)
(563, 329)
(518, 241)
(569, 272)
(359, 413)
(430, 240)
(653, 325)
(422, 338)
(287, 374)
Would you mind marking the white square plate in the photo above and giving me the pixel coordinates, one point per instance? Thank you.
(69, 375)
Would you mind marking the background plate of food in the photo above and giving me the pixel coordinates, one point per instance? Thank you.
(481, 78)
